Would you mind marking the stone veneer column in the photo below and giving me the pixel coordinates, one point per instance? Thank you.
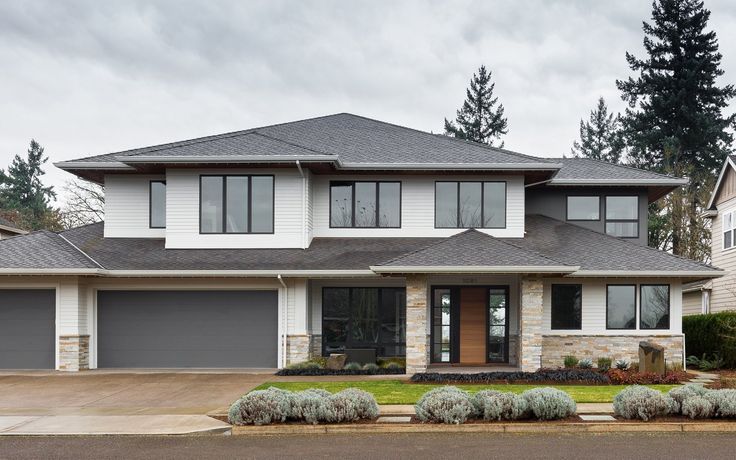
(297, 348)
(417, 339)
(73, 352)
(531, 324)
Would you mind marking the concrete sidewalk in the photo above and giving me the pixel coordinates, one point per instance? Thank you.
(96, 425)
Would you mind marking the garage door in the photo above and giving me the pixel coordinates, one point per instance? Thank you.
(169, 329)
(27, 328)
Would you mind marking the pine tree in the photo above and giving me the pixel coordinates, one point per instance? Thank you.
(675, 122)
(600, 137)
(674, 102)
(21, 190)
(480, 119)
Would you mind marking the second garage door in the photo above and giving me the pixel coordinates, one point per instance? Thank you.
(175, 329)
(27, 328)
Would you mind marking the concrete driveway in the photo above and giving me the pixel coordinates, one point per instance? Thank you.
(123, 393)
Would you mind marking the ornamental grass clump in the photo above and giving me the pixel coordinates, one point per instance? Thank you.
(697, 407)
(639, 402)
(549, 403)
(262, 407)
(444, 405)
(353, 367)
(494, 405)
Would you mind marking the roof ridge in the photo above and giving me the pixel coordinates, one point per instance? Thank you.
(623, 166)
(293, 144)
(431, 245)
(78, 251)
(647, 247)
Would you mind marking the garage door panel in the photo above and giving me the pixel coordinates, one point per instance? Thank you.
(187, 328)
(27, 328)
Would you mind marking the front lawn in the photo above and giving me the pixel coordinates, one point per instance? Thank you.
(399, 392)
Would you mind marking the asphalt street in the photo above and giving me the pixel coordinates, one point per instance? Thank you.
(405, 446)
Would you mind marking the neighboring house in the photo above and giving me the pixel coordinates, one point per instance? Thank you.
(264, 247)
(696, 297)
(8, 229)
(722, 213)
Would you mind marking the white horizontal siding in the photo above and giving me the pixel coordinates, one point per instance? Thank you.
(594, 306)
(182, 212)
(127, 207)
(723, 296)
(417, 207)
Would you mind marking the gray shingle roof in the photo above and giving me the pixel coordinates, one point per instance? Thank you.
(352, 138)
(41, 250)
(472, 248)
(573, 245)
(587, 169)
(6, 223)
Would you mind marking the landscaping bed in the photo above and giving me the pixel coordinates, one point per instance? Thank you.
(573, 376)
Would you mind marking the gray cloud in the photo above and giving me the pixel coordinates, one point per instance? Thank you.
(88, 77)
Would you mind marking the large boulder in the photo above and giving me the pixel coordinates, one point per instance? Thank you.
(651, 358)
(336, 361)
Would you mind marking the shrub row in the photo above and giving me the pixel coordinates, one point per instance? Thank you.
(713, 334)
(273, 405)
(454, 406)
(694, 401)
(352, 371)
(542, 375)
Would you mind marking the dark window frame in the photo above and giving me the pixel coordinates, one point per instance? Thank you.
(606, 220)
(378, 201)
(634, 328)
(482, 202)
(552, 309)
(350, 319)
(249, 222)
(567, 208)
(150, 202)
(669, 307)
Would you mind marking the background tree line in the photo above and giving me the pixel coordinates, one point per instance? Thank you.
(674, 123)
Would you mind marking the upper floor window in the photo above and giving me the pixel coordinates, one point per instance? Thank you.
(236, 204)
(583, 208)
(470, 205)
(567, 306)
(365, 204)
(622, 216)
(728, 229)
(157, 204)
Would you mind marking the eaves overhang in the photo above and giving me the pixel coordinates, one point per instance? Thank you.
(498, 269)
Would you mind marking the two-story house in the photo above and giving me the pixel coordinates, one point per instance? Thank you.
(711, 296)
(259, 248)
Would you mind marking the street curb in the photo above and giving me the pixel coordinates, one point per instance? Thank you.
(574, 427)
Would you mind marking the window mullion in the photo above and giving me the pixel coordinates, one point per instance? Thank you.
(224, 204)
(482, 205)
(378, 204)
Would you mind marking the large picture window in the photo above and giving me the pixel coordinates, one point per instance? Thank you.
(365, 204)
(567, 306)
(236, 204)
(620, 306)
(364, 318)
(729, 223)
(622, 216)
(655, 306)
(157, 204)
(583, 208)
(470, 205)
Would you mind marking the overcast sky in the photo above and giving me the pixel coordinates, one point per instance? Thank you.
(91, 77)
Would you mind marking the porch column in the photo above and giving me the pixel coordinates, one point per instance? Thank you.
(73, 346)
(531, 324)
(417, 338)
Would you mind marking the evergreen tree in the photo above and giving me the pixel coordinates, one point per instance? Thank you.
(674, 102)
(600, 137)
(480, 119)
(675, 122)
(21, 190)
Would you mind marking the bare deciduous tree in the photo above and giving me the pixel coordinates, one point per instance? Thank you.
(85, 203)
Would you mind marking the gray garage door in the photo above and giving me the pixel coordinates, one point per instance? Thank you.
(168, 329)
(27, 328)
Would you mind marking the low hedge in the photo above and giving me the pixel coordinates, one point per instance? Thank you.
(711, 334)
(317, 372)
(542, 375)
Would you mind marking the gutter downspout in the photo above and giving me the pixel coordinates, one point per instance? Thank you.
(284, 319)
(305, 190)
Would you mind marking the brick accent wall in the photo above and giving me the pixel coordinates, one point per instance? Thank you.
(417, 339)
(531, 324)
(556, 347)
(297, 348)
(73, 352)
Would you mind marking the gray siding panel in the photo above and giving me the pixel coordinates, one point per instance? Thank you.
(172, 329)
(27, 328)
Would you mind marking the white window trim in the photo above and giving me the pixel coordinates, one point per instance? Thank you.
(731, 229)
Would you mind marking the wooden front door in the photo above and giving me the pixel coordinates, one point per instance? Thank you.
(473, 325)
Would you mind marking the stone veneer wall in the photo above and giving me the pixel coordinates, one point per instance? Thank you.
(315, 345)
(73, 352)
(626, 347)
(297, 348)
(417, 339)
(531, 324)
